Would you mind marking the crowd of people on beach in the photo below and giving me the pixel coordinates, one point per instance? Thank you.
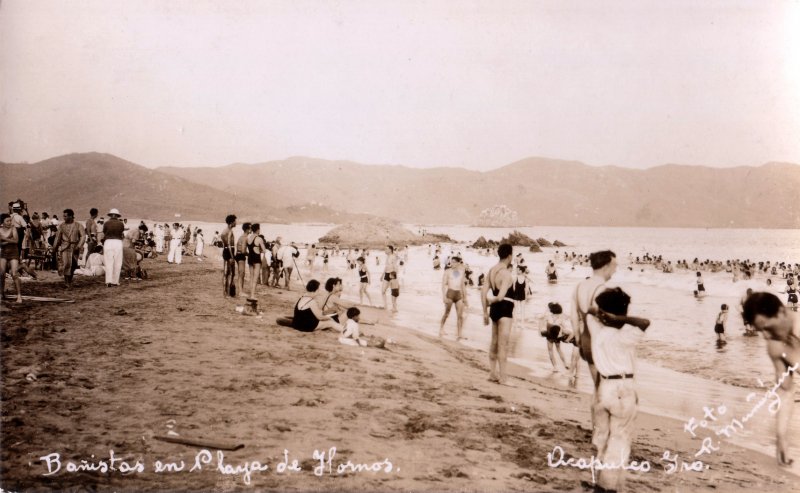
(95, 247)
(598, 326)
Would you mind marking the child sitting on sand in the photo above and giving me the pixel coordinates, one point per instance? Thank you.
(350, 336)
(719, 326)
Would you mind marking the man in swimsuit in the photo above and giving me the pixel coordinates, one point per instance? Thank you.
(781, 327)
(241, 258)
(604, 265)
(498, 307)
(390, 278)
(228, 254)
(454, 291)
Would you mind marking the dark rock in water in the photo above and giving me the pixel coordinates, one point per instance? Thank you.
(558, 244)
(519, 239)
(535, 248)
(484, 243)
(543, 243)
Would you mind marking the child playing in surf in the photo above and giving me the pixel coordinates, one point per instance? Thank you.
(701, 289)
(719, 326)
(556, 333)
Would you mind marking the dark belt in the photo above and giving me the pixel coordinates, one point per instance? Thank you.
(617, 377)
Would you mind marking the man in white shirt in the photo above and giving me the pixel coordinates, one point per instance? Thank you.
(614, 339)
(175, 244)
(287, 254)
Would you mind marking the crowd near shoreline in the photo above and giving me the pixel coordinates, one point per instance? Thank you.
(599, 326)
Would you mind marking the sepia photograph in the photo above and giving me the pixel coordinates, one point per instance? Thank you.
(399, 246)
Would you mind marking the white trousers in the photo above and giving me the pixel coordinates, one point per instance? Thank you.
(112, 258)
(175, 251)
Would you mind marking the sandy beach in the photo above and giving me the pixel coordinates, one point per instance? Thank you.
(171, 357)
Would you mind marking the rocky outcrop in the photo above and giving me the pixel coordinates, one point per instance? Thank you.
(515, 238)
(377, 233)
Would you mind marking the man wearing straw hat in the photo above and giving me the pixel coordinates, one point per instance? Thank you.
(113, 233)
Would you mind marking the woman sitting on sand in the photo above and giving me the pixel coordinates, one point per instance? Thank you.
(307, 314)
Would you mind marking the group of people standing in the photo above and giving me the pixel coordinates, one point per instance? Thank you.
(267, 262)
(606, 336)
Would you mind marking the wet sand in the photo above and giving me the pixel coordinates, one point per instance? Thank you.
(121, 366)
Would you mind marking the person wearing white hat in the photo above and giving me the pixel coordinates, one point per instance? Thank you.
(18, 222)
(113, 233)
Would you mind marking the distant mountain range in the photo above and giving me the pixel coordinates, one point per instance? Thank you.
(541, 192)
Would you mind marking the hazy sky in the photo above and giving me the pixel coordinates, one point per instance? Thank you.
(421, 83)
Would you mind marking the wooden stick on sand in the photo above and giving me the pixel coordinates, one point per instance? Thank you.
(200, 443)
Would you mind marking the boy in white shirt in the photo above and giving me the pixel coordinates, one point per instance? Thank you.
(614, 352)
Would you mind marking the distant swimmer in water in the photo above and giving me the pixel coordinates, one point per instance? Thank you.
(454, 292)
(719, 326)
(552, 273)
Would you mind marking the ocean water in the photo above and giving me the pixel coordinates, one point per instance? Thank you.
(680, 369)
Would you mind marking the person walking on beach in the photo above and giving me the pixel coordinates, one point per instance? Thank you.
(499, 307)
(719, 326)
(390, 278)
(255, 255)
(520, 292)
(277, 267)
(228, 257)
(781, 328)
(9, 256)
(614, 339)
(113, 233)
(69, 243)
(199, 245)
(454, 292)
(363, 280)
(604, 265)
(175, 244)
(288, 254)
(159, 233)
(91, 231)
(311, 257)
(241, 258)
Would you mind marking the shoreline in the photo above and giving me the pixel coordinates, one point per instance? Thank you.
(170, 351)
